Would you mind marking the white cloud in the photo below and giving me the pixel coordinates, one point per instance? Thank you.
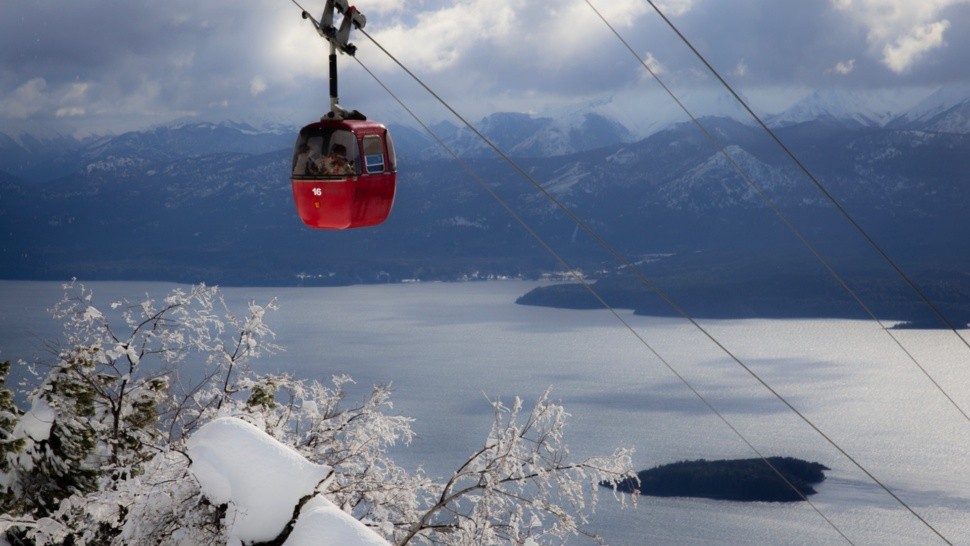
(28, 99)
(257, 85)
(249, 59)
(901, 31)
(484, 56)
(77, 91)
(844, 67)
(438, 39)
(741, 69)
(674, 8)
(391, 6)
(551, 32)
(900, 55)
(653, 64)
(69, 112)
(374, 7)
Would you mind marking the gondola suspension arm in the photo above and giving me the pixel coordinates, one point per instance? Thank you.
(338, 39)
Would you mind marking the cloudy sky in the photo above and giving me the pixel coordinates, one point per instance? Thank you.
(99, 66)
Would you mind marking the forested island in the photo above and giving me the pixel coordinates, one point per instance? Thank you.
(737, 480)
(740, 293)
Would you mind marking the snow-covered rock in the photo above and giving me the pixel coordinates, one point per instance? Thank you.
(321, 523)
(262, 481)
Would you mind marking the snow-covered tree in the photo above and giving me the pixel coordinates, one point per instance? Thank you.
(107, 406)
(352, 440)
(10, 441)
(100, 455)
(520, 485)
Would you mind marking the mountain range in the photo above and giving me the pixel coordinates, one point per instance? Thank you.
(211, 202)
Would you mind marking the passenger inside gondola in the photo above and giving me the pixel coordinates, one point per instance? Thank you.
(309, 159)
(301, 160)
(315, 156)
(336, 161)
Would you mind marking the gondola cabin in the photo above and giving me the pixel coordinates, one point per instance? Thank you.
(344, 174)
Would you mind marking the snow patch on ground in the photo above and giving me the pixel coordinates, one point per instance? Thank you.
(562, 184)
(461, 221)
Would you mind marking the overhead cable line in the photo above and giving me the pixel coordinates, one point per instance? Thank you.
(801, 238)
(811, 177)
(625, 262)
(781, 215)
(590, 289)
(573, 272)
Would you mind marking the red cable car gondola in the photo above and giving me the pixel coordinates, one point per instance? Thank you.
(344, 167)
(344, 174)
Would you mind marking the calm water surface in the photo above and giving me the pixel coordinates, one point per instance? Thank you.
(449, 348)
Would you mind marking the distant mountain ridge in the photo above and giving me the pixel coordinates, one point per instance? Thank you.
(946, 109)
(49, 153)
(523, 135)
(37, 159)
(871, 109)
(212, 202)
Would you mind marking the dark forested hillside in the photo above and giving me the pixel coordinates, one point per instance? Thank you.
(152, 206)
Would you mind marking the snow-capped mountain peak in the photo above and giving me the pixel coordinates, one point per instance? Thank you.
(871, 108)
(946, 110)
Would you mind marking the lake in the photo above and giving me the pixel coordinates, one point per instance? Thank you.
(449, 347)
